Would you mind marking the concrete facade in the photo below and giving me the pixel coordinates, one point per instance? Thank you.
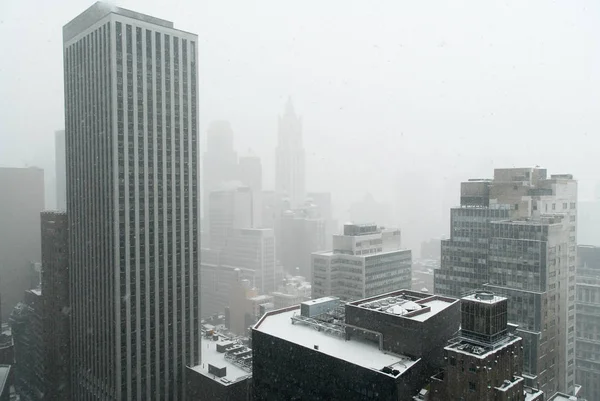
(365, 261)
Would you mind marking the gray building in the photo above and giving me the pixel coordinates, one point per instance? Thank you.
(365, 261)
(290, 159)
(132, 202)
(382, 348)
(299, 233)
(219, 163)
(587, 318)
(60, 168)
(526, 253)
(229, 209)
(21, 201)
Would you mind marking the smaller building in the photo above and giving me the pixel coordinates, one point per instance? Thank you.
(325, 350)
(366, 261)
(225, 373)
(485, 361)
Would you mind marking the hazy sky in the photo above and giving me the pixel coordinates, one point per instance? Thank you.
(399, 98)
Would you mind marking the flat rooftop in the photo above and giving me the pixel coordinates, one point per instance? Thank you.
(464, 346)
(484, 297)
(211, 356)
(407, 304)
(368, 355)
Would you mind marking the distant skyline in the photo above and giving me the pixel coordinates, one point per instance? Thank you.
(390, 93)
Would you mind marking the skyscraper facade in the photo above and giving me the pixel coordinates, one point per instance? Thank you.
(21, 201)
(516, 235)
(132, 201)
(290, 164)
(56, 306)
(587, 329)
(60, 170)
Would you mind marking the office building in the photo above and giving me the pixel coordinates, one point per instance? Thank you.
(60, 170)
(219, 163)
(225, 373)
(217, 283)
(27, 325)
(484, 362)
(322, 202)
(250, 175)
(21, 201)
(587, 321)
(40, 323)
(366, 260)
(290, 159)
(378, 348)
(56, 306)
(293, 291)
(299, 233)
(132, 204)
(253, 249)
(229, 208)
(520, 236)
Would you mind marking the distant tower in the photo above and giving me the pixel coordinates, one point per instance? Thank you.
(290, 168)
(219, 163)
(61, 170)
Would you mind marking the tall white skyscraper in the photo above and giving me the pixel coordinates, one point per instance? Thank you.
(132, 203)
(290, 168)
(60, 170)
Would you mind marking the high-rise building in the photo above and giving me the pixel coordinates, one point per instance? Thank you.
(484, 362)
(132, 202)
(219, 163)
(250, 175)
(366, 261)
(56, 305)
(253, 249)
(587, 321)
(60, 168)
(27, 326)
(323, 204)
(290, 164)
(516, 235)
(300, 233)
(229, 209)
(21, 201)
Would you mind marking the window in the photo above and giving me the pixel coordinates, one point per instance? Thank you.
(472, 387)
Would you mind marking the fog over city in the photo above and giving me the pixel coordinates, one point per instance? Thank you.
(329, 200)
(402, 100)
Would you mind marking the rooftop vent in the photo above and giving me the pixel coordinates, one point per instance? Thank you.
(484, 295)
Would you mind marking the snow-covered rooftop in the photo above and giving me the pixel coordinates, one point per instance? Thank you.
(481, 352)
(484, 297)
(217, 359)
(279, 324)
(436, 305)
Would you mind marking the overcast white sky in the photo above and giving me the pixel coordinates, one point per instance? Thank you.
(400, 98)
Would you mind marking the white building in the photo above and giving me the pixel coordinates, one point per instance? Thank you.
(366, 261)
